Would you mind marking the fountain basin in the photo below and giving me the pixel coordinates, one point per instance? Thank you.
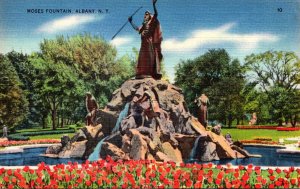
(30, 155)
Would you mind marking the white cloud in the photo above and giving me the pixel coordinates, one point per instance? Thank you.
(66, 23)
(201, 37)
(121, 41)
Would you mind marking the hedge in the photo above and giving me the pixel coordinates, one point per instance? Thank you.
(26, 135)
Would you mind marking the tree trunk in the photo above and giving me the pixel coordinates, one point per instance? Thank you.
(44, 120)
(294, 121)
(62, 115)
(286, 121)
(229, 123)
(53, 115)
(62, 122)
(57, 118)
(242, 120)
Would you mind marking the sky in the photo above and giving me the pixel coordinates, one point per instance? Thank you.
(190, 28)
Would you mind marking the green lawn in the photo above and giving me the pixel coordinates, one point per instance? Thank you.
(243, 134)
(54, 136)
(237, 134)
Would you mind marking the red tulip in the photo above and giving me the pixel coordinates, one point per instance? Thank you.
(241, 167)
(278, 170)
(6, 179)
(228, 185)
(270, 171)
(218, 182)
(250, 166)
(278, 183)
(154, 184)
(259, 178)
(9, 172)
(236, 175)
(198, 184)
(88, 183)
(245, 177)
(209, 180)
(257, 186)
(293, 181)
(286, 185)
(272, 177)
(271, 186)
(189, 183)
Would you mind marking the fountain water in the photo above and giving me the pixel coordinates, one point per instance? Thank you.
(95, 155)
(193, 152)
(122, 115)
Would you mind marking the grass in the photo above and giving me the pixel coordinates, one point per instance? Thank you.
(243, 134)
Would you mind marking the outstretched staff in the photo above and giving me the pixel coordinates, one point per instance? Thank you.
(150, 55)
(126, 23)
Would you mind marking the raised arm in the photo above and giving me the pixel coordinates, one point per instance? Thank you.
(132, 24)
(154, 7)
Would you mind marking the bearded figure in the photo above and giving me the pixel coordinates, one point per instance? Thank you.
(150, 56)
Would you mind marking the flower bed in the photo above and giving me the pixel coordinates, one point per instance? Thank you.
(259, 142)
(15, 143)
(147, 174)
(256, 127)
(288, 128)
(268, 127)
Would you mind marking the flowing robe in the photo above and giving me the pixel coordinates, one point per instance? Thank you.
(150, 52)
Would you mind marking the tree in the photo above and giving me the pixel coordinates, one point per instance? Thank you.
(13, 103)
(93, 59)
(219, 77)
(277, 73)
(25, 72)
(57, 83)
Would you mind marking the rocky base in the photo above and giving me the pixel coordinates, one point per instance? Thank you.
(147, 119)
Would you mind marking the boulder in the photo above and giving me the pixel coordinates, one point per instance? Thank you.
(75, 150)
(92, 132)
(109, 149)
(162, 157)
(108, 119)
(115, 139)
(138, 147)
(173, 153)
(116, 102)
(223, 148)
(126, 143)
(207, 151)
(197, 126)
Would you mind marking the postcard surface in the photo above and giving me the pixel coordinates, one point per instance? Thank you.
(225, 70)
